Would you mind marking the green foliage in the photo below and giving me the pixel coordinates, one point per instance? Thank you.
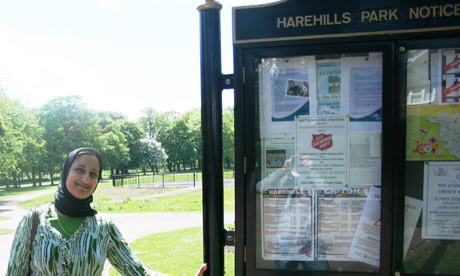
(151, 153)
(36, 142)
(113, 149)
(152, 122)
(21, 142)
(68, 124)
(228, 137)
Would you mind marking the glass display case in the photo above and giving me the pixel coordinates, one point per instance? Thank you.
(432, 167)
(318, 155)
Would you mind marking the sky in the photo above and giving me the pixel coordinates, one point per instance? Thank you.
(118, 55)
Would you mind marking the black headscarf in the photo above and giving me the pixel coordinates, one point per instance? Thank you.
(64, 201)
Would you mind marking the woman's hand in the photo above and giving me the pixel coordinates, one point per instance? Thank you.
(202, 269)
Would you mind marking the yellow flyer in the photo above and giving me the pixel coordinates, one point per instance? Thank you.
(432, 132)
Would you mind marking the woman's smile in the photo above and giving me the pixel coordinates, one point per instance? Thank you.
(83, 176)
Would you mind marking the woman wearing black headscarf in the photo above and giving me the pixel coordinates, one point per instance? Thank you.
(70, 239)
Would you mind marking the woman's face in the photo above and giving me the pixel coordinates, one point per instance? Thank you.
(83, 176)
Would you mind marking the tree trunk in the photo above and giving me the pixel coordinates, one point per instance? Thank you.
(39, 177)
(34, 181)
(52, 178)
(15, 183)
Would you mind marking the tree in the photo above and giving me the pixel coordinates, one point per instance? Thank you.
(21, 142)
(153, 122)
(133, 133)
(153, 155)
(176, 140)
(11, 139)
(113, 150)
(193, 121)
(68, 124)
(34, 146)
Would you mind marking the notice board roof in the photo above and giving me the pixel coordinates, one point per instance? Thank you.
(311, 19)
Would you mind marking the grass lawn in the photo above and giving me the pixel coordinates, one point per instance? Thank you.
(6, 231)
(25, 188)
(4, 218)
(175, 253)
(187, 202)
(104, 192)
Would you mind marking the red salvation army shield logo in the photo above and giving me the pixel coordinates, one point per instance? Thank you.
(322, 141)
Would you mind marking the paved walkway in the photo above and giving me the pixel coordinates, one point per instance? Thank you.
(132, 225)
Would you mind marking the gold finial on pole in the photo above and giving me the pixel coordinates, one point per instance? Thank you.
(210, 4)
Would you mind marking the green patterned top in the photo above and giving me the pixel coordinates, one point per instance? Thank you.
(83, 253)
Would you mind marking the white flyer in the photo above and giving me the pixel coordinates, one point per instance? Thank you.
(412, 210)
(365, 246)
(362, 84)
(441, 201)
(365, 159)
(322, 145)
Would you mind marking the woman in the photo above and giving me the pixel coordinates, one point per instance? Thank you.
(70, 238)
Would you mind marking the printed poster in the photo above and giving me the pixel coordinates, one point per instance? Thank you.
(451, 61)
(441, 201)
(338, 214)
(365, 246)
(362, 87)
(286, 86)
(279, 162)
(422, 70)
(287, 225)
(432, 132)
(328, 78)
(450, 77)
(365, 159)
(322, 146)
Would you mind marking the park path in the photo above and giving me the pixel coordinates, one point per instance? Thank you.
(132, 225)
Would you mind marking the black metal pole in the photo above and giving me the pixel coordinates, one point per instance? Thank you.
(211, 129)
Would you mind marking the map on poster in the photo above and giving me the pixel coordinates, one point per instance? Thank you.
(432, 132)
